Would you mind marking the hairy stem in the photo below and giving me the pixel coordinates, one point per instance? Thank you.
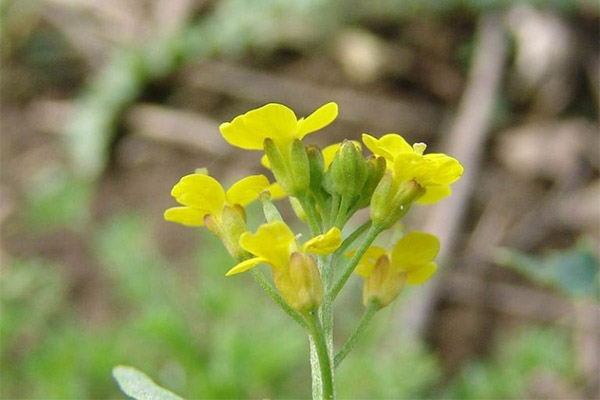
(276, 296)
(316, 332)
(349, 268)
(371, 309)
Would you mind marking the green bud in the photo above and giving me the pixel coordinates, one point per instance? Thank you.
(391, 201)
(349, 170)
(316, 165)
(299, 169)
(278, 164)
(376, 169)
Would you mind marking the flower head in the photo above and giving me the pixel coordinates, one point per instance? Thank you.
(433, 172)
(276, 129)
(205, 202)
(410, 262)
(276, 122)
(294, 272)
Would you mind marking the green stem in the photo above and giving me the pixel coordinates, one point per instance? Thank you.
(276, 296)
(340, 220)
(371, 309)
(371, 235)
(316, 332)
(335, 207)
(351, 238)
(311, 215)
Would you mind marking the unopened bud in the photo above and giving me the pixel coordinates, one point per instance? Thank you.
(299, 169)
(349, 170)
(375, 171)
(384, 284)
(392, 200)
(316, 165)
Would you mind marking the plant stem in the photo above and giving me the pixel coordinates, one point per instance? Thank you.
(311, 215)
(351, 238)
(276, 296)
(340, 220)
(371, 309)
(371, 235)
(316, 332)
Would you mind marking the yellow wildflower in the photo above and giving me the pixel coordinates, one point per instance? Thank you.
(205, 202)
(410, 262)
(277, 122)
(433, 172)
(294, 272)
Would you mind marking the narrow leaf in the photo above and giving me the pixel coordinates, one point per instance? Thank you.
(139, 386)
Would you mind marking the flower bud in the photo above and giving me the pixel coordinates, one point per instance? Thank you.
(349, 170)
(299, 169)
(391, 201)
(301, 285)
(383, 284)
(316, 165)
(277, 164)
(375, 170)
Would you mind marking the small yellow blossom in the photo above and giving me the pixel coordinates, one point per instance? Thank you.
(203, 195)
(295, 273)
(273, 243)
(205, 202)
(410, 262)
(277, 122)
(433, 172)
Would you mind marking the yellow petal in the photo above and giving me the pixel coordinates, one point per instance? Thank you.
(414, 250)
(388, 146)
(245, 265)
(319, 119)
(185, 215)
(408, 166)
(276, 191)
(246, 190)
(421, 275)
(447, 169)
(368, 260)
(264, 160)
(273, 241)
(324, 244)
(200, 191)
(248, 131)
(329, 154)
(433, 194)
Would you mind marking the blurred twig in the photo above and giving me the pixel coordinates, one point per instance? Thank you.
(465, 141)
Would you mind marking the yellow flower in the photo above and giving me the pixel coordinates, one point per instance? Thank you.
(273, 243)
(203, 195)
(205, 202)
(277, 122)
(410, 262)
(433, 172)
(295, 273)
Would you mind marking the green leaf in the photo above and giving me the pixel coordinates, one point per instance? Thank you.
(139, 386)
(573, 271)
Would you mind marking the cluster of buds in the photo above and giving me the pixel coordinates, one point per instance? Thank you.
(326, 188)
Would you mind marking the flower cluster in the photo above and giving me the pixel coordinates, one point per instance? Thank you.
(326, 187)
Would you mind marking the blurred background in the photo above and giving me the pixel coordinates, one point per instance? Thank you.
(106, 104)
